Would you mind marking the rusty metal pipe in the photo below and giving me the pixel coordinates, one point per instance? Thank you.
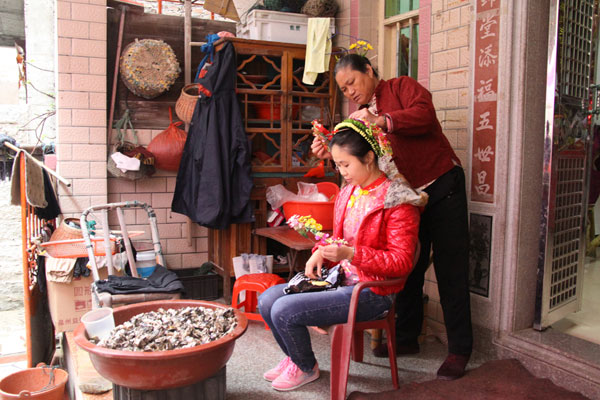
(113, 95)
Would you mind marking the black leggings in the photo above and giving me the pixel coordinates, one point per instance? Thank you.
(444, 225)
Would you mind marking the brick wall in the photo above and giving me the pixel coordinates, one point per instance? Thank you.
(82, 138)
(81, 103)
(356, 20)
(180, 251)
(449, 84)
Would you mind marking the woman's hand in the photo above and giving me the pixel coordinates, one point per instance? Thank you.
(319, 149)
(365, 115)
(336, 253)
(314, 262)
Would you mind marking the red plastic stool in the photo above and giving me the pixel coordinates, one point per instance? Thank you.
(253, 284)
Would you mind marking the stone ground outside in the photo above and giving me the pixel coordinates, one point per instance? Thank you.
(12, 329)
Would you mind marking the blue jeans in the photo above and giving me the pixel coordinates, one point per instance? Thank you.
(290, 315)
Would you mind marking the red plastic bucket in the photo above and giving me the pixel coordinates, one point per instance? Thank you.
(321, 211)
(43, 383)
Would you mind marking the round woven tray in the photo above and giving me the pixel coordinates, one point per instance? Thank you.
(149, 67)
(320, 8)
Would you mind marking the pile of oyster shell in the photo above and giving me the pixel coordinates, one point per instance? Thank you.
(171, 329)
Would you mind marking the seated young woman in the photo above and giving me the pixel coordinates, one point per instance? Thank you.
(378, 218)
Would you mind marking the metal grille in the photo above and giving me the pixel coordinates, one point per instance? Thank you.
(575, 47)
(567, 223)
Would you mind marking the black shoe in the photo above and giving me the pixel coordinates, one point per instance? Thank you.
(381, 350)
(453, 367)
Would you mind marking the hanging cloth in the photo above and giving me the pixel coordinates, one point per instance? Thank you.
(52, 209)
(209, 49)
(213, 182)
(318, 49)
(34, 181)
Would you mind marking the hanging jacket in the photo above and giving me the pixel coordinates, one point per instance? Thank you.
(422, 152)
(213, 182)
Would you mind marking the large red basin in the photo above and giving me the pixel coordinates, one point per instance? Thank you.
(161, 369)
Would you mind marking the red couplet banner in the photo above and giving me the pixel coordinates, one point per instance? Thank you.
(485, 98)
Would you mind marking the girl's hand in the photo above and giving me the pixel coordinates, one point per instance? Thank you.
(336, 253)
(314, 262)
(319, 149)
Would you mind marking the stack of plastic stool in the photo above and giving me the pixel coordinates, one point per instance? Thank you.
(253, 284)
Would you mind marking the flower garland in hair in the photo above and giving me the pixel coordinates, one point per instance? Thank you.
(305, 224)
(370, 132)
(360, 47)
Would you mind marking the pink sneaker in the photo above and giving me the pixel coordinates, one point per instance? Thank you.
(293, 377)
(273, 373)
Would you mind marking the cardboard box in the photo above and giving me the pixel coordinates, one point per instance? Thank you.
(69, 301)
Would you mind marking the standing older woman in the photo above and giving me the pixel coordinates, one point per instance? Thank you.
(404, 110)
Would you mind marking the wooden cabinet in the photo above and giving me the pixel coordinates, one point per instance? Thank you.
(277, 109)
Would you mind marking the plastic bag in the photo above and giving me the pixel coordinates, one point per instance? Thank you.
(252, 264)
(129, 149)
(330, 279)
(168, 145)
(278, 194)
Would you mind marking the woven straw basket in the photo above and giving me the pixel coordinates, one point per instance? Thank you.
(186, 103)
(66, 232)
(67, 242)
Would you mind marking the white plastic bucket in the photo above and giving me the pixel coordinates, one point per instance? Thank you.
(145, 262)
(98, 322)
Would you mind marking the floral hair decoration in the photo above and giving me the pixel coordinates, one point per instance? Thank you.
(360, 47)
(370, 132)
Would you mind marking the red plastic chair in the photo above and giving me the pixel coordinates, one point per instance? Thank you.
(348, 339)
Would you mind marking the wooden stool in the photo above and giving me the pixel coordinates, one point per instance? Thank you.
(253, 284)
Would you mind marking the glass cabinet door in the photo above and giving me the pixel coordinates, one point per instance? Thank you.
(306, 103)
(277, 107)
(259, 89)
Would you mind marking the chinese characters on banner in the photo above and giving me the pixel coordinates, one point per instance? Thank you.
(485, 98)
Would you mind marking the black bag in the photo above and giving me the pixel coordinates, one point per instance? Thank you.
(330, 279)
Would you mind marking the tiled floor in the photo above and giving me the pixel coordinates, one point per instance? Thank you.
(585, 324)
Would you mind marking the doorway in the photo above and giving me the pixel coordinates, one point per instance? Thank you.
(569, 273)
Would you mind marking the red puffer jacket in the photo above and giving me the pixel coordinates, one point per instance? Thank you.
(387, 238)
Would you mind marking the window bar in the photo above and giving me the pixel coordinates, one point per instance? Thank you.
(398, 49)
(410, 46)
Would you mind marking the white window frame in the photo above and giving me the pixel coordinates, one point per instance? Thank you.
(389, 40)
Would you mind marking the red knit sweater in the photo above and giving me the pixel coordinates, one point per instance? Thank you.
(422, 152)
